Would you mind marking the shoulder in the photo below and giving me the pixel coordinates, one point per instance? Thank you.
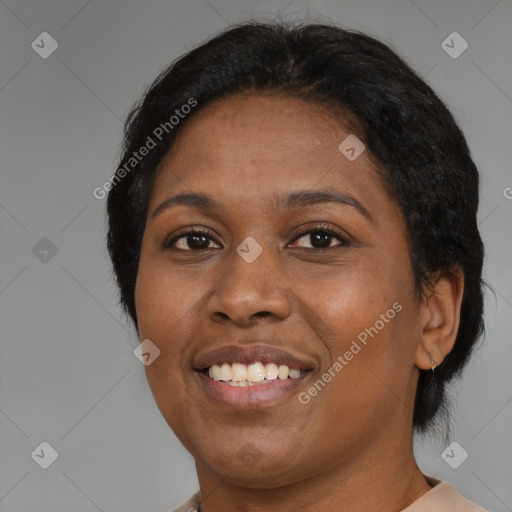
(443, 497)
(191, 505)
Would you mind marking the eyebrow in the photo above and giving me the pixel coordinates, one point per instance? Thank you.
(297, 199)
(302, 198)
(192, 199)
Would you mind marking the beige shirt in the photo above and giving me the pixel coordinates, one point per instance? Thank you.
(441, 498)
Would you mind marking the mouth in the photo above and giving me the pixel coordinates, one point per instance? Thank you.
(239, 374)
(254, 376)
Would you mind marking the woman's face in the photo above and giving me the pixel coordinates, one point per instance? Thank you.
(258, 284)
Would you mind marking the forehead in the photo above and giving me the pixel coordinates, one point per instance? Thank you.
(260, 144)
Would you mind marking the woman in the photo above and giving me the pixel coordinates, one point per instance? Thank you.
(293, 231)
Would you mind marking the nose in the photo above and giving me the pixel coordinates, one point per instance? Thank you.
(248, 292)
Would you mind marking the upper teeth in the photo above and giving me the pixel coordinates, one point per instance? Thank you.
(238, 373)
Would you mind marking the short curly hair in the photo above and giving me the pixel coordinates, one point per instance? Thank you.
(424, 159)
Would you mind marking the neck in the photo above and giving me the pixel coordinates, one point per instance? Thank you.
(382, 480)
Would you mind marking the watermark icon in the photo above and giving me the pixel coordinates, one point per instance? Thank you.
(454, 455)
(454, 45)
(151, 142)
(45, 455)
(507, 192)
(304, 397)
(44, 45)
(44, 249)
(249, 455)
(249, 249)
(146, 352)
(351, 147)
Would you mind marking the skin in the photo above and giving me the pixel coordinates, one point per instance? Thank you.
(350, 447)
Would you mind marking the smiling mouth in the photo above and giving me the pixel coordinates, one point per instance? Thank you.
(242, 375)
(251, 375)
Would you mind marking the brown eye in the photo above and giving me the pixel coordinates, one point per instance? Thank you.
(321, 238)
(191, 240)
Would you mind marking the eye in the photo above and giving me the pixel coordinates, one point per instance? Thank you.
(194, 239)
(321, 237)
(198, 239)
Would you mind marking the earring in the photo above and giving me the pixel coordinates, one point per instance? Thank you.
(432, 361)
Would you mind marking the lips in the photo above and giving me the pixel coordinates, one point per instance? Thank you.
(244, 394)
(264, 354)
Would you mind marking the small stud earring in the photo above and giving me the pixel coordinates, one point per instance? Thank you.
(432, 361)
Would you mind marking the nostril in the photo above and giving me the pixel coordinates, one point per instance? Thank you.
(221, 316)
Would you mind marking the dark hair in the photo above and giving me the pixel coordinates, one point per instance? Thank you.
(426, 164)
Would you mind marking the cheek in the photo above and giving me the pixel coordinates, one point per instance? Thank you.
(166, 312)
(366, 321)
(164, 303)
(166, 316)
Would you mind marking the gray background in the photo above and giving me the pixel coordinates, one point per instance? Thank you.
(68, 375)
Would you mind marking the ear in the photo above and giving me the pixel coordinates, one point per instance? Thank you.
(439, 318)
